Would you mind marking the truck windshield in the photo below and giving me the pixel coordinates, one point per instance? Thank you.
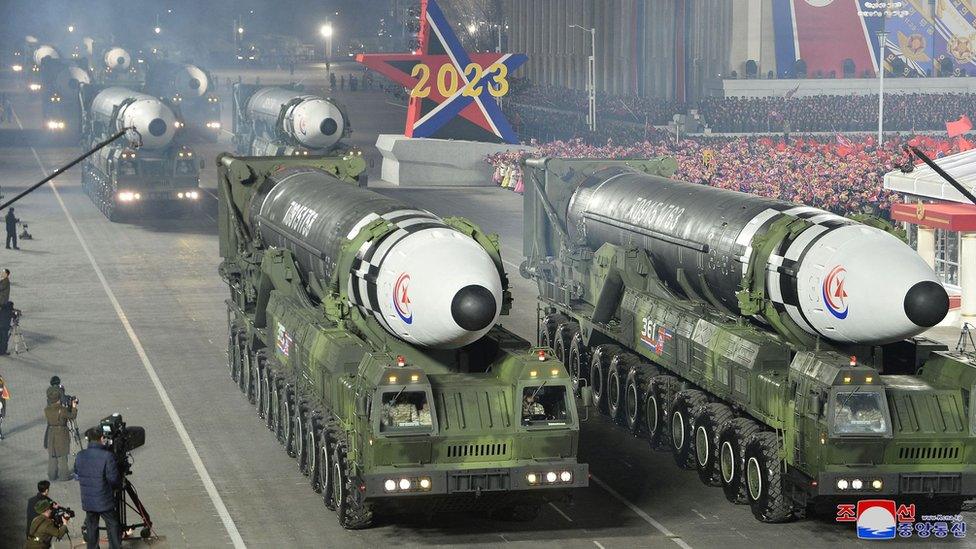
(859, 413)
(405, 412)
(544, 405)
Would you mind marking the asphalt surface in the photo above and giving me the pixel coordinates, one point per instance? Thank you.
(131, 317)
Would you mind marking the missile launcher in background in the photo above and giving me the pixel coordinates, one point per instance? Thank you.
(364, 330)
(191, 90)
(147, 172)
(61, 81)
(286, 121)
(771, 346)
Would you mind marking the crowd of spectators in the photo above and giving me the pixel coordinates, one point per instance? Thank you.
(552, 113)
(828, 172)
(835, 113)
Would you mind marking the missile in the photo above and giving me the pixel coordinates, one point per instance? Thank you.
(832, 276)
(43, 52)
(424, 282)
(116, 58)
(168, 79)
(63, 76)
(121, 107)
(306, 120)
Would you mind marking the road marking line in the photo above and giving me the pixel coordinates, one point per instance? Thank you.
(191, 449)
(640, 512)
(395, 104)
(693, 510)
(560, 511)
(598, 544)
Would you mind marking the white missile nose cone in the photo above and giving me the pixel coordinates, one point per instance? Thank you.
(859, 284)
(438, 288)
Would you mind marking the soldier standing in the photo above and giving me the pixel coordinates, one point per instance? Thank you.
(58, 440)
(42, 529)
(11, 220)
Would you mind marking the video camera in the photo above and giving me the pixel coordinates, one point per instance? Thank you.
(60, 513)
(66, 399)
(122, 438)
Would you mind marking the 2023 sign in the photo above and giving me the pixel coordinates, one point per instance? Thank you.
(448, 81)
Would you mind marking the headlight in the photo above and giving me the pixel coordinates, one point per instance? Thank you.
(857, 484)
(34, 87)
(126, 196)
(532, 478)
(179, 195)
(17, 68)
(425, 483)
(390, 485)
(404, 484)
(137, 196)
(550, 476)
(877, 484)
(566, 476)
(842, 484)
(193, 194)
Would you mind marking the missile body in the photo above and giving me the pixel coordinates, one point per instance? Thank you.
(424, 282)
(176, 80)
(279, 115)
(836, 278)
(62, 76)
(43, 52)
(117, 59)
(154, 120)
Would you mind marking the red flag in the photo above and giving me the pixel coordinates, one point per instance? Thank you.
(781, 146)
(843, 141)
(959, 127)
(843, 150)
(964, 144)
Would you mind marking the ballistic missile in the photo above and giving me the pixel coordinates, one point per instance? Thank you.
(307, 120)
(833, 277)
(176, 80)
(423, 281)
(63, 76)
(152, 119)
(43, 52)
(116, 59)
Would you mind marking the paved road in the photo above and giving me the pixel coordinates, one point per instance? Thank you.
(131, 316)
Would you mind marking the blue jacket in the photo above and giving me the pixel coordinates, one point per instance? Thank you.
(99, 477)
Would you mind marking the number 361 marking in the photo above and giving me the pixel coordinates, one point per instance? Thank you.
(448, 80)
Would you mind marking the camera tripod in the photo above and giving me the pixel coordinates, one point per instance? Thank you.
(127, 498)
(17, 336)
(966, 339)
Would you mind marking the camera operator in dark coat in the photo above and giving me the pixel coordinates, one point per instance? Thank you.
(99, 476)
(58, 439)
(42, 529)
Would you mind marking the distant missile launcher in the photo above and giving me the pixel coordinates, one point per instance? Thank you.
(762, 342)
(149, 170)
(61, 81)
(189, 88)
(279, 121)
(364, 331)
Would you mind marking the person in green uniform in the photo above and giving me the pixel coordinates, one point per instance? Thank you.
(58, 440)
(42, 529)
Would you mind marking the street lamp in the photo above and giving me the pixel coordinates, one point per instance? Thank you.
(71, 28)
(157, 30)
(240, 30)
(327, 33)
(590, 76)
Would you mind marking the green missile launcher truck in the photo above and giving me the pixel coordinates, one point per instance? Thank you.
(688, 312)
(318, 342)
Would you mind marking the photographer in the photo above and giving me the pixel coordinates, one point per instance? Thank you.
(42, 489)
(58, 437)
(7, 315)
(98, 474)
(42, 529)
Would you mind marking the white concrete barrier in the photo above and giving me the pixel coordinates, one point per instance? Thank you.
(410, 162)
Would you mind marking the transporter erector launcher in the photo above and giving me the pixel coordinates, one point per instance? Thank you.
(149, 167)
(771, 346)
(277, 121)
(364, 331)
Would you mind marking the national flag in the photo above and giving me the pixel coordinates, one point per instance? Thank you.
(959, 127)
(964, 144)
(843, 141)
